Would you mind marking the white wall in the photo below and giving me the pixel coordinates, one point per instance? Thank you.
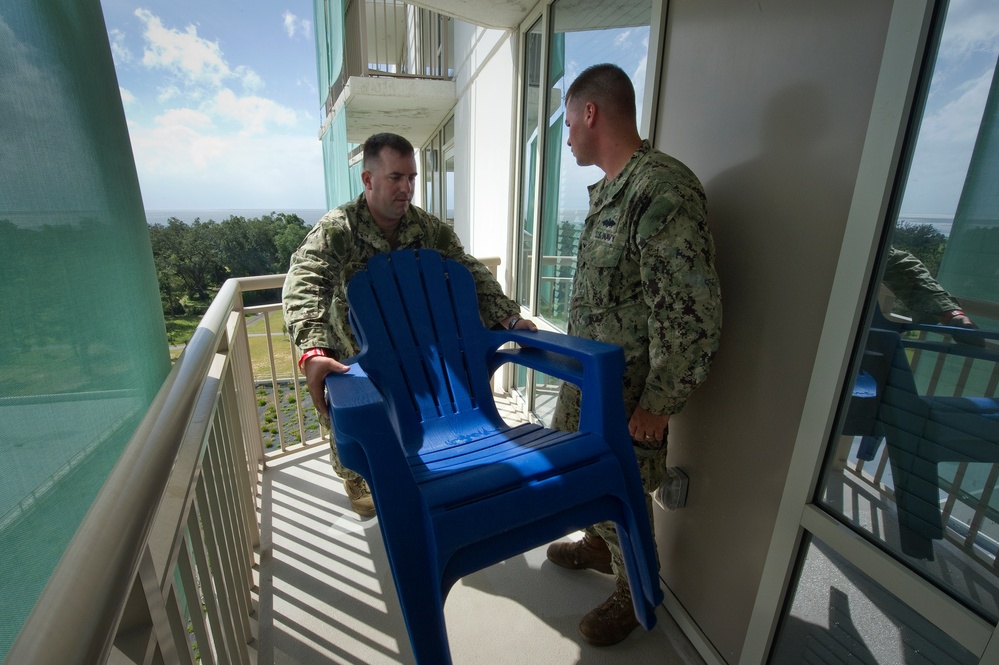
(485, 125)
(768, 102)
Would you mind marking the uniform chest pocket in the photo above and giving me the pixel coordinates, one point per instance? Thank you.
(602, 253)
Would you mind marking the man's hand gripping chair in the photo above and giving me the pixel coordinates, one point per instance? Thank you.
(455, 488)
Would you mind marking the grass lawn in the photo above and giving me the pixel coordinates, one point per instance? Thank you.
(259, 356)
(276, 319)
(180, 328)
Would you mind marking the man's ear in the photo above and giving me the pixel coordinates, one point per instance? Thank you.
(590, 112)
(366, 179)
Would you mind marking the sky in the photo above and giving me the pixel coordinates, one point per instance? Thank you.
(627, 47)
(960, 85)
(221, 100)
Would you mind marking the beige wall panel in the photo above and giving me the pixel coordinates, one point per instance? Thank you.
(485, 124)
(768, 102)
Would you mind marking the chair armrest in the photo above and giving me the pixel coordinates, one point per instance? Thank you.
(973, 342)
(363, 430)
(354, 402)
(566, 357)
(595, 367)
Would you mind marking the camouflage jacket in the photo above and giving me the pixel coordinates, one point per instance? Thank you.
(913, 284)
(646, 280)
(337, 248)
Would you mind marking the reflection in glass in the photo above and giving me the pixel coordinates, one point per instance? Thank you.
(840, 615)
(545, 393)
(449, 187)
(529, 159)
(585, 33)
(430, 176)
(917, 461)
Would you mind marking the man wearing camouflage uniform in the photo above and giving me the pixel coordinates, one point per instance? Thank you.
(380, 220)
(913, 284)
(645, 280)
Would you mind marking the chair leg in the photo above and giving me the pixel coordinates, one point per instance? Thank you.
(643, 580)
(916, 496)
(417, 584)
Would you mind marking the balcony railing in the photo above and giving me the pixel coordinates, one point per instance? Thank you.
(161, 569)
(391, 38)
(969, 518)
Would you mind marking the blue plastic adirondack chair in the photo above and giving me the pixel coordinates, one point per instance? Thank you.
(921, 431)
(455, 488)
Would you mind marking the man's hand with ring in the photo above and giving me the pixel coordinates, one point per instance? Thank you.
(646, 426)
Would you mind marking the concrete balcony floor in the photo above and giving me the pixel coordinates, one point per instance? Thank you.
(325, 592)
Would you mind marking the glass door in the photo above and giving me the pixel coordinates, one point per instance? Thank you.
(553, 189)
(914, 464)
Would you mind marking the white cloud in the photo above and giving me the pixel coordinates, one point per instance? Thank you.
(307, 83)
(294, 25)
(970, 27)
(126, 96)
(188, 118)
(958, 120)
(249, 78)
(195, 61)
(221, 143)
(253, 113)
(180, 161)
(120, 52)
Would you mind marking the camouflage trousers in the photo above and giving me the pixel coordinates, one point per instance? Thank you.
(651, 467)
(338, 468)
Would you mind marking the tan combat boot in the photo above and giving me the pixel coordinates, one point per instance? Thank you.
(590, 552)
(359, 496)
(612, 621)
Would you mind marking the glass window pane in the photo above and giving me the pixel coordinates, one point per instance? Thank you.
(585, 33)
(449, 187)
(430, 175)
(917, 460)
(545, 392)
(840, 615)
(529, 156)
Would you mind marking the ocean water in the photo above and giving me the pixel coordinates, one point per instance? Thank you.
(941, 223)
(309, 215)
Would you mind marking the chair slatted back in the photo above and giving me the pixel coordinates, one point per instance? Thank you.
(418, 342)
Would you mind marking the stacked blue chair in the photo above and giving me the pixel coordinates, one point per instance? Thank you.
(920, 430)
(455, 488)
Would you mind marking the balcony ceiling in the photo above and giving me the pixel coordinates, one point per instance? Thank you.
(505, 14)
(570, 15)
(411, 107)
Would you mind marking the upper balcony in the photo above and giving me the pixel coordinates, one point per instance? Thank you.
(397, 71)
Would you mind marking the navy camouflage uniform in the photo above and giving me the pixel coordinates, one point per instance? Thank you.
(645, 280)
(913, 284)
(337, 248)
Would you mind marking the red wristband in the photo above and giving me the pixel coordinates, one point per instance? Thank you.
(309, 353)
(947, 317)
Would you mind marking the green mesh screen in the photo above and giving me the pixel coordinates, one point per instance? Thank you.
(342, 183)
(969, 263)
(82, 343)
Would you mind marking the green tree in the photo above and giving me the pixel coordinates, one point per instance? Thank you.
(192, 260)
(165, 244)
(288, 240)
(923, 241)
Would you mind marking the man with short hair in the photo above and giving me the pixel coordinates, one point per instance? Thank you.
(378, 221)
(645, 280)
